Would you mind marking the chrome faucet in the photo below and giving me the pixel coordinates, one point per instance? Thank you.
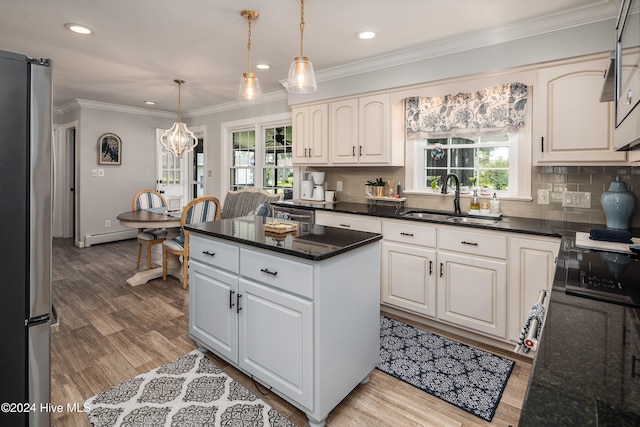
(456, 199)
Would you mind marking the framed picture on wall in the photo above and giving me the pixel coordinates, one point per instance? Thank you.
(109, 149)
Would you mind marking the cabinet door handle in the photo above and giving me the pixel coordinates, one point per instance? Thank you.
(266, 270)
(360, 151)
(309, 152)
(345, 225)
(353, 151)
(231, 304)
(402, 233)
(238, 308)
(209, 253)
(542, 144)
(430, 267)
(469, 243)
(441, 269)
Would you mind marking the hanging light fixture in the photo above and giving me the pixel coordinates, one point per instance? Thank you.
(301, 76)
(178, 139)
(250, 89)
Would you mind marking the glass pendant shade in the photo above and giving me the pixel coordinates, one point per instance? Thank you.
(250, 89)
(301, 78)
(178, 139)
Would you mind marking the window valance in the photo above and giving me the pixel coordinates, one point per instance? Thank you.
(491, 110)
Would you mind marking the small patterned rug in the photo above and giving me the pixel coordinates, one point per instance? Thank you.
(190, 391)
(466, 377)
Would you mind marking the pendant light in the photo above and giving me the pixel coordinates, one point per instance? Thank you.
(301, 76)
(178, 139)
(250, 89)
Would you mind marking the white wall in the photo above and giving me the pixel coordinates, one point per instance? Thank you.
(104, 197)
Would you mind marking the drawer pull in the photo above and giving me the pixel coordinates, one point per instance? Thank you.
(238, 308)
(231, 304)
(406, 234)
(209, 253)
(469, 243)
(345, 225)
(266, 270)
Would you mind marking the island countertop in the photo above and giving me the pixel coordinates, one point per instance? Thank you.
(317, 244)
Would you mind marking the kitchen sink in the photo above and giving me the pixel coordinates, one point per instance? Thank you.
(448, 217)
(434, 216)
(473, 220)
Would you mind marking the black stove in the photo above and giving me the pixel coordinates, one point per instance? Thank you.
(606, 276)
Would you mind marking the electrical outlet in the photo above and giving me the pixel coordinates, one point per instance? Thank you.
(543, 196)
(100, 172)
(94, 172)
(576, 199)
(339, 186)
(107, 223)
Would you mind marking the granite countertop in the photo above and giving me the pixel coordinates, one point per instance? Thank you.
(586, 369)
(316, 244)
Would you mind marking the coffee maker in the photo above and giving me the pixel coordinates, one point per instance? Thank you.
(318, 189)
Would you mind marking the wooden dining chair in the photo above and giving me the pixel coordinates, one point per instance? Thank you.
(202, 209)
(148, 236)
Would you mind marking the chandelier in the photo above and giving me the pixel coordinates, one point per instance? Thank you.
(250, 89)
(178, 139)
(301, 76)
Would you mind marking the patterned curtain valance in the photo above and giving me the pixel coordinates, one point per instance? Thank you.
(494, 109)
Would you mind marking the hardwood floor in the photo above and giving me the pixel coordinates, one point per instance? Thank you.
(110, 331)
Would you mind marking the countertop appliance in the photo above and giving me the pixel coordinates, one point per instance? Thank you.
(25, 220)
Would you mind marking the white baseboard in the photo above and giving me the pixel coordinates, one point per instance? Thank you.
(94, 239)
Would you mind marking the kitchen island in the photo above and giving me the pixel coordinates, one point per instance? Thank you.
(297, 312)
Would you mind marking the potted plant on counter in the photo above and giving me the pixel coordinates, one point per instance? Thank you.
(375, 188)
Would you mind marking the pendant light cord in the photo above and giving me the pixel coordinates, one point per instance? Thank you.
(249, 46)
(301, 28)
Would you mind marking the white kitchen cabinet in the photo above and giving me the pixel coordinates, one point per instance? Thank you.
(360, 132)
(349, 221)
(472, 293)
(573, 127)
(408, 266)
(311, 134)
(532, 267)
(276, 339)
(309, 330)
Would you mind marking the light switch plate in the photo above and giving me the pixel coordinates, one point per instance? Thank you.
(576, 199)
(543, 196)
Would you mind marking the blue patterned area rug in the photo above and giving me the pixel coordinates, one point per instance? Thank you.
(466, 377)
(190, 391)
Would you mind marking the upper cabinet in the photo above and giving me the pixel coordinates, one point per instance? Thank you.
(353, 131)
(573, 126)
(311, 134)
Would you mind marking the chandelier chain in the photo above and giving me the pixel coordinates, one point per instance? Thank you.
(301, 29)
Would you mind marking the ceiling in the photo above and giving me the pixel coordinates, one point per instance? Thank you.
(139, 47)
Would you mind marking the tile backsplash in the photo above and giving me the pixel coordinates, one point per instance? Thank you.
(556, 179)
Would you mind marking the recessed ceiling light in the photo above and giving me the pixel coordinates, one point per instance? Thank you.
(79, 29)
(263, 66)
(150, 102)
(365, 35)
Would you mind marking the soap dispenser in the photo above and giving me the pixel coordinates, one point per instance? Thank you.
(475, 205)
(494, 205)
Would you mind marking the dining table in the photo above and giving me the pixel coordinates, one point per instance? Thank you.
(154, 218)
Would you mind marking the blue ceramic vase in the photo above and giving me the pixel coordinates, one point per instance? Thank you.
(618, 203)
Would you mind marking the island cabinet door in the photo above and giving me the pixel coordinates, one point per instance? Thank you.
(472, 293)
(276, 340)
(213, 320)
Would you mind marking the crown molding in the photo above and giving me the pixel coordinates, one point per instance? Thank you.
(233, 105)
(95, 105)
(604, 10)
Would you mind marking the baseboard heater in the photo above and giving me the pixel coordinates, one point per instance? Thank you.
(95, 239)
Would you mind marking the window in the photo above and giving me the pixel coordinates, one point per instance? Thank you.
(261, 154)
(481, 161)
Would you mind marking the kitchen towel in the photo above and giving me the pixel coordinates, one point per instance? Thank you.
(536, 313)
(608, 235)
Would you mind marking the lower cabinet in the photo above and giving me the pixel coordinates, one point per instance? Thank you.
(472, 293)
(309, 330)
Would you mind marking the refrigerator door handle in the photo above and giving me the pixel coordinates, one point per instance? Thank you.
(38, 320)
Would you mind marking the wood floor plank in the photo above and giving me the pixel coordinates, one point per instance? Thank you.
(110, 331)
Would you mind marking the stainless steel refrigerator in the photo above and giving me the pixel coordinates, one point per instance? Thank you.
(25, 239)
